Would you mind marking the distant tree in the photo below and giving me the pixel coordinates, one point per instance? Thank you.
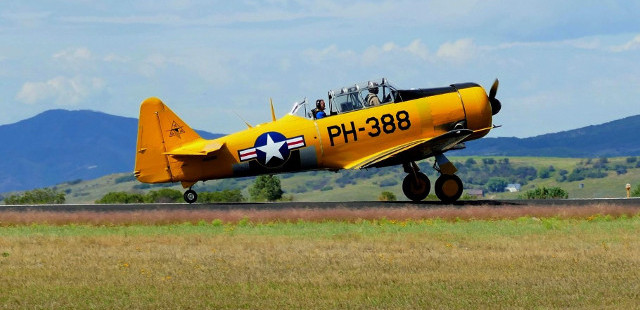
(497, 185)
(266, 187)
(470, 162)
(621, 169)
(74, 182)
(546, 193)
(232, 195)
(36, 196)
(631, 160)
(636, 191)
(164, 195)
(388, 182)
(120, 197)
(387, 196)
(544, 173)
(488, 161)
(125, 178)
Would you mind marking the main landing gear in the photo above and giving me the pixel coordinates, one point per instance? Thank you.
(190, 196)
(448, 186)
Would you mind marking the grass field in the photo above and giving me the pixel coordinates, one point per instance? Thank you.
(406, 260)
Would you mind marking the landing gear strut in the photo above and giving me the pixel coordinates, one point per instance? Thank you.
(448, 186)
(190, 196)
(416, 185)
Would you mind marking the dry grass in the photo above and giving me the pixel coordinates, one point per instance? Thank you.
(476, 264)
(165, 217)
(538, 257)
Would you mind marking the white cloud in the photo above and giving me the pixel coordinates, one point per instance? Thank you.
(62, 90)
(459, 51)
(634, 44)
(73, 54)
(330, 52)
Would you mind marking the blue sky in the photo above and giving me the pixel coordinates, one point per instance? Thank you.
(561, 64)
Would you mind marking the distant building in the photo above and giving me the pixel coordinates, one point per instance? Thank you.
(514, 187)
(478, 193)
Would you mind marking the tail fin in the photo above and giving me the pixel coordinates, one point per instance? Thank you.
(159, 131)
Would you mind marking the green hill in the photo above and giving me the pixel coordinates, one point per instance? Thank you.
(600, 178)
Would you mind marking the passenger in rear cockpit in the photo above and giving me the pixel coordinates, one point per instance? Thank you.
(372, 98)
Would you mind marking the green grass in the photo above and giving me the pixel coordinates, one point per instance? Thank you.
(521, 263)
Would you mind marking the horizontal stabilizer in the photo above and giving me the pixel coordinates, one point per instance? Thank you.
(198, 148)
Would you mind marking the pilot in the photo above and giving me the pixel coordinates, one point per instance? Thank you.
(319, 112)
(372, 97)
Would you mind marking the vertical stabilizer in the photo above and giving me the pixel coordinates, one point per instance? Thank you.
(159, 131)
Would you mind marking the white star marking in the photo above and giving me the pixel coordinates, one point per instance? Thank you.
(272, 149)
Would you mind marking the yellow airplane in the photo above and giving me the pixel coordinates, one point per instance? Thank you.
(359, 130)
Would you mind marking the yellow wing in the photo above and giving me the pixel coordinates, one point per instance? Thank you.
(414, 150)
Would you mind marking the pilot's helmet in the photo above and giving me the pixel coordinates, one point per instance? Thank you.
(373, 87)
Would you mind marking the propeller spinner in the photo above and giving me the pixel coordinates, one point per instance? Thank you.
(495, 103)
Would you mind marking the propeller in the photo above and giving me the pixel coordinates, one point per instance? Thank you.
(495, 103)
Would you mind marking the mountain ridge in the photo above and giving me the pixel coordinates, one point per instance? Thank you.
(59, 145)
(610, 139)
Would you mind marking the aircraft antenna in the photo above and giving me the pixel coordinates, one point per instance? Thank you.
(273, 113)
(242, 119)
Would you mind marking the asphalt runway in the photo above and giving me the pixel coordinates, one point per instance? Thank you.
(625, 202)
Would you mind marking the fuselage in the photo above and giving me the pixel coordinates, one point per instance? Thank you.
(295, 143)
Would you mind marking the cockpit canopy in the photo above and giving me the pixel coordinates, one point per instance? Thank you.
(361, 96)
(355, 97)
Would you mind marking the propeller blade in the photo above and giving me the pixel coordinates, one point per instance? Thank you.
(495, 103)
(494, 89)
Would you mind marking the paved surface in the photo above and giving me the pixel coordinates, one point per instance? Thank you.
(632, 202)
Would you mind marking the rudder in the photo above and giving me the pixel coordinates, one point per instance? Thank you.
(159, 131)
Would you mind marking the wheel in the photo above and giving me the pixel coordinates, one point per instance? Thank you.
(190, 196)
(448, 188)
(416, 187)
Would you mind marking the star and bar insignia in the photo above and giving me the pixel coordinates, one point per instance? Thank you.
(271, 149)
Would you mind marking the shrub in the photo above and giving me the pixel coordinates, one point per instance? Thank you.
(36, 196)
(120, 197)
(488, 161)
(266, 187)
(631, 160)
(233, 195)
(546, 193)
(164, 195)
(387, 196)
(544, 173)
(636, 191)
(497, 185)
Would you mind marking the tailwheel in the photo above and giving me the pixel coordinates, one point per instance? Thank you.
(416, 186)
(190, 196)
(448, 188)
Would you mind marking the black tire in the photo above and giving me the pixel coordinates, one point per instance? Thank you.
(448, 188)
(190, 196)
(416, 190)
